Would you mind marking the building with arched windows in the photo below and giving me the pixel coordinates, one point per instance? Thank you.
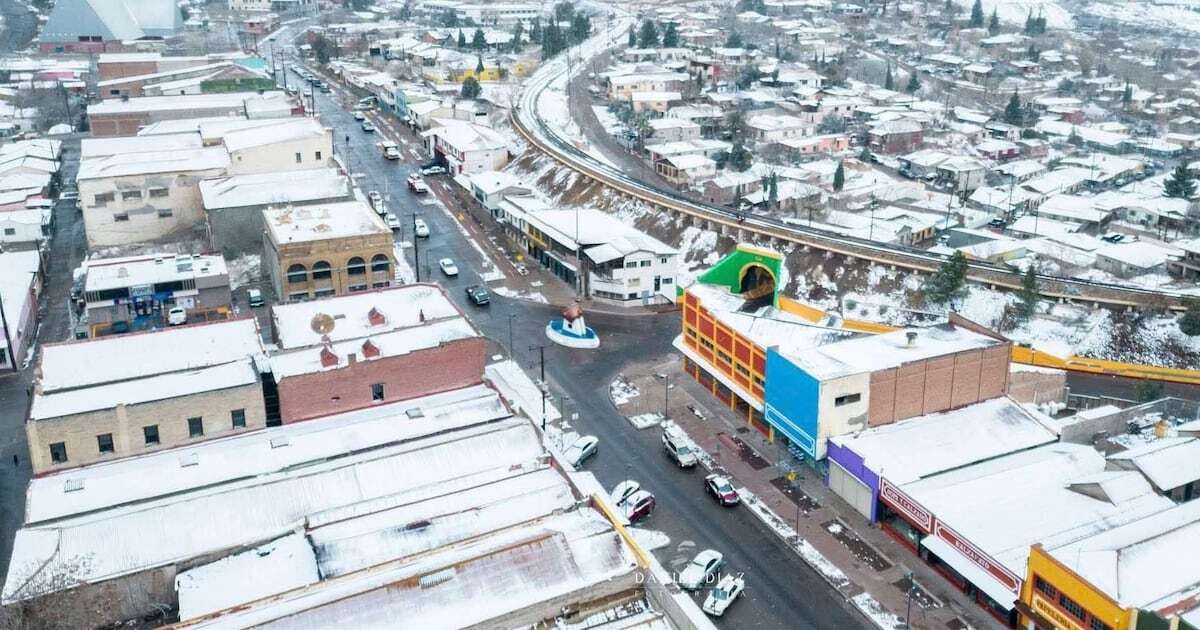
(325, 250)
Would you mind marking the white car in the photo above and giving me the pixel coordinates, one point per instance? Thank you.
(375, 198)
(678, 448)
(720, 598)
(392, 221)
(623, 491)
(176, 316)
(581, 450)
(701, 569)
(420, 228)
(417, 185)
(448, 267)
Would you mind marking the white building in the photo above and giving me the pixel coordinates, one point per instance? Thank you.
(20, 286)
(291, 144)
(466, 147)
(23, 226)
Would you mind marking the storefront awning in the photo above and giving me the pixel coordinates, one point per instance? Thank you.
(972, 572)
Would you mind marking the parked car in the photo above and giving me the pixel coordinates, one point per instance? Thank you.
(448, 267)
(254, 297)
(420, 228)
(721, 490)
(368, 127)
(581, 449)
(1113, 237)
(623, 491)
(638, 506)
(375, 198)
(678, 448)
(997, 223)
(176, 316)
(722, 597)
(478, 295)
(433, 170)
(359, 116)
(392, 221)
(701, 569)
(416, 184)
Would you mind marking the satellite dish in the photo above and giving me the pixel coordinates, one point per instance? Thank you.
(322, 324)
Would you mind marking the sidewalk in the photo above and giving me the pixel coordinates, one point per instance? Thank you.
(859, 560)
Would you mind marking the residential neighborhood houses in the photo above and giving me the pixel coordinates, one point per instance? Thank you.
(716, 314)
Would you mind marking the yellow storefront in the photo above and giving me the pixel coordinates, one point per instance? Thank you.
(1055, 598)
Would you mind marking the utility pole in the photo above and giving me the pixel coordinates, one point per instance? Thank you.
(542, 362)
(417, 268)
(511, 316)
(908, 602)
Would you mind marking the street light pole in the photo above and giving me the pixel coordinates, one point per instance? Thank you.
(908, 602)
(542, 361)
(417, 260)
(511, 316)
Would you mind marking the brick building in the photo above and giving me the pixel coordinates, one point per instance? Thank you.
(372, 348)
(326, 250)
(126, 116)
(896, 137)
(112, 397)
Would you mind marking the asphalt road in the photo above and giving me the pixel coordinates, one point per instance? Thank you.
(782, 591)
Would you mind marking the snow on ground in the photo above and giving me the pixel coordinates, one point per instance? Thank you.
(1015, 11)
(622, 391)
(780, 526)
(243, 270)
(876, 613)
(649, 539)
(645, 420)
(611, 125)
(530, 296)
(1144, 13)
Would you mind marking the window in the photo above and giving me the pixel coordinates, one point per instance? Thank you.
(114, 92)
(380, 262)
(759, 381)
(377, 391)
(631, 296)
(10, 231)
(356, 266)
(847, 399)
(1096, 624)
(195, 427)
(158, 193)
(322, 293)
(1044, 587)
(298, 295)
(725, 358)
(362, 286)
(129, 195)
(297, 274)
(742, 370)
(151, 435)
(666, 281)
(104, 443)
(103, 199)
(644, 263)
(165, 212)
(239, 418)
(120, 216)
(58, 453)
(318, 156)
(662, 260)
(630, 264)
(706, 343)
(380, 285)
(691, 332)
(1072, 607)
(299, 159)
(321, 270)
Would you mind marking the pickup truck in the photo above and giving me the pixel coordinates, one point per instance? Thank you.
(390, 150)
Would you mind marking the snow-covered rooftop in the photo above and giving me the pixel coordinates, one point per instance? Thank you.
(278, 566)
(100, 147)
(319, 222)
(912, 449)
(282, 130)
(1168, 463)
(151, 162)
(111, 273)
(392, 343)
(869, 353)
(399, 307)
(280, 188)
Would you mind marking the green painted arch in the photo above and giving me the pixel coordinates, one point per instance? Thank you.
(732, 269)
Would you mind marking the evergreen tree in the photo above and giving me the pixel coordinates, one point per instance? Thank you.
(564, 12)
(889, 83)
(1028, 294)
(734, 41)
(773, 190)
(462, 39)
(552, 40)
(839, 178)
(518, 34)
(976, 15)
(581, 27)
(1013, 114)
(535, 30)
(914, 83)
(648, 35)
(470, 88)
(449, 18)
(1029, 23)
(946, 284)
(632, 37)
(478, 67)
(1127, 97)
(994, 23)
(739, 157)
(670, 36)
(478, 40)
(1181, 184)
(778, 52)
(1189, 322)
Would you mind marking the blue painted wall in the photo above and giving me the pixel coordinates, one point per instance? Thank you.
(791, 401)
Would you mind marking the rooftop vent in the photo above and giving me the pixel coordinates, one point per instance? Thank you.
(911, 335)
(280, 441)
(190, 459)
(431, 580)
(73, 485)
(414, 413)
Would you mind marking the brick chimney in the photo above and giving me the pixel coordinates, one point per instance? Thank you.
(370, 350)
(375, 317)
(328, 358)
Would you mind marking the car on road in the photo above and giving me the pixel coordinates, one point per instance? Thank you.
(254, 297)
(638, 506)
(701, 570)
(721, 490)
(448, 267)
(678, 448)
(479, 295)
(176, 316)
(368, 127)
(325, 89)
(392, 221)
(376, 199)
(722, 597)
(433, 170)
(581, 449)
(359, 116)
(420, 228)
(417, 185)
(997, 223)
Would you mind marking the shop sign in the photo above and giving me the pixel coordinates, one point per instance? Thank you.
(981, 559)
(141, 290)
(897, 500)
(1047, 610)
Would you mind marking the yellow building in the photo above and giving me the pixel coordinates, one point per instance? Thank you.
(1130, 577)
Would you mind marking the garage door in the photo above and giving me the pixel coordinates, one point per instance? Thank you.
(847, 486)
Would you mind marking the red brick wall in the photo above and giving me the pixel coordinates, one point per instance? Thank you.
(453, 365)
(105, 126)
(120, 69)
(938, 384)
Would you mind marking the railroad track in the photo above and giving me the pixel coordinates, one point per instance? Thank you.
(528, 122)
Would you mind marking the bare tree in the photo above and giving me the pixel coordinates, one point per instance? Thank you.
(51, 104)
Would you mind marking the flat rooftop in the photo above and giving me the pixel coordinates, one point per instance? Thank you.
(767, 326)
(282, 188)
(76, 364)
(176, 102)
(392, 343)
(151, 162)
(100, 147)
(396, 308)
(889, 350)
(129, 271)
(322, 222)
(912, 449)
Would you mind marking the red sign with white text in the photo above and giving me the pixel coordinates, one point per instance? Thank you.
(981, 559)
(897, 500)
